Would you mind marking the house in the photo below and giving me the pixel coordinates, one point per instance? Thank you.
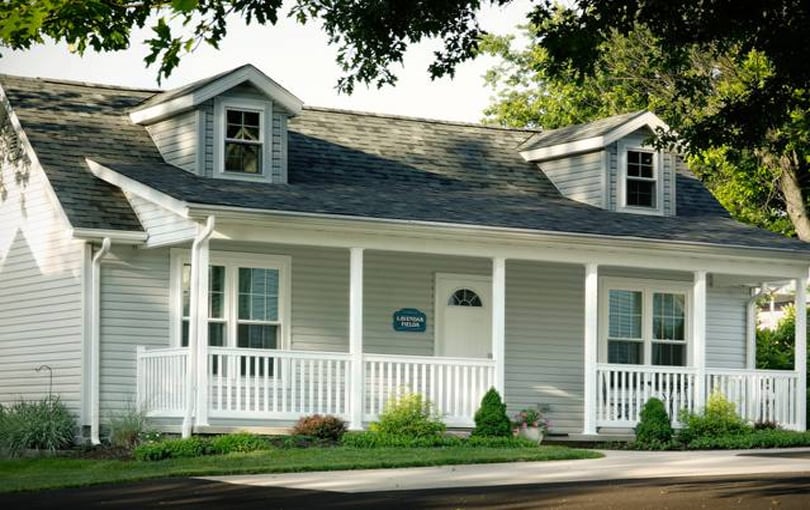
(224, 257)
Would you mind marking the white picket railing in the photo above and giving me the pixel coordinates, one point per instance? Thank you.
(161, 381)
(454, 385)
(262, 383)
(622, 391)
(758, 395)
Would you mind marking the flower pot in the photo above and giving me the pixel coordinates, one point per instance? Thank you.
(532, 434)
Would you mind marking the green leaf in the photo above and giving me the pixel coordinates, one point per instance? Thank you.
(184, 5)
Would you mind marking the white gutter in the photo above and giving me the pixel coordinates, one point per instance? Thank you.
(751, 327)
(95, 338)
(195, 308)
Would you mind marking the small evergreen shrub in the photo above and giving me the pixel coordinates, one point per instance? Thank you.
(491, 419)
(385, 440)
(654, 430)
(408, 414)
(323, 427)
(238, 443)
(129, 428)
(719, 418)
(39, 425)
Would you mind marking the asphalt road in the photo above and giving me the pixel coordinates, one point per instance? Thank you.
(783, 492)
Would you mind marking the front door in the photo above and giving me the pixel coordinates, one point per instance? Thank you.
(463, 316)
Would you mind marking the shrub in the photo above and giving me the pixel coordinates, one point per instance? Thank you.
(764, 438)
(322, 427)
(719, 418)
(654, 430)
(491, 419)
(408, 414)
(129, 428)
(386, 440)
(241, 442)
(41, 425)
(500, 442)
(173, 449)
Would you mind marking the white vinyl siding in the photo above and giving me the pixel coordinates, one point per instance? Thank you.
(163, 226)
(41, 314)
(134, 311)
(578, 177)
(176, 139)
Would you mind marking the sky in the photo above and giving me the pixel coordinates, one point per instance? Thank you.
(297, 57)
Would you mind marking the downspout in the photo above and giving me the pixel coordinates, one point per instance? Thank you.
(95, 339)
(194, 321)
(751, 328)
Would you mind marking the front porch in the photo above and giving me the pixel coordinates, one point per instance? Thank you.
(282, 386)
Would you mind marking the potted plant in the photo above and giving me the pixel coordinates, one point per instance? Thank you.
(530, 424)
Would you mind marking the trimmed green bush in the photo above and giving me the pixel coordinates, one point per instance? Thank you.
(499, 442)
(654, 429)
(376, 440)
(719, 418)
(491, 419)
(323, 427)
(764, 438)
(241, 442)
(38, 425)
(410, 415)
(173, 449)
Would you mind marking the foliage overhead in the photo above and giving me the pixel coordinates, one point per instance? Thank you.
(371, 36)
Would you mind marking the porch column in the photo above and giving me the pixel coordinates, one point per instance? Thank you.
(191, 361)
(699, 337)
(800, 358)
(499, 321)
(356, 338)
(590, 348)
(202, 334)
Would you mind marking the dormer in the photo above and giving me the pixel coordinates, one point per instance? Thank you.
(229, 126)
(609, 163)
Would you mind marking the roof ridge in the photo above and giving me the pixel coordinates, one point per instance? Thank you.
(420, 119)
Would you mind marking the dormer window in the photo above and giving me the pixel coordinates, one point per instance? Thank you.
(639, 179)
(641, 190)
(243, 141)
(242, 135)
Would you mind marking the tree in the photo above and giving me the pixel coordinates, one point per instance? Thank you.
(633, 72)
(371, 35)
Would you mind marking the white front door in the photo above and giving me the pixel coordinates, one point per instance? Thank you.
(463, 316)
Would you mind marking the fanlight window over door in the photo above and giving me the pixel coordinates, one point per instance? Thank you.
(464, 297)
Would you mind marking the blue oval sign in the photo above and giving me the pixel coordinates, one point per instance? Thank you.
(410, 319)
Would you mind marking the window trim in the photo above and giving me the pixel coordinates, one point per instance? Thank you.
(232, 261)
(624, 148)
(265, 111)
(647, 287)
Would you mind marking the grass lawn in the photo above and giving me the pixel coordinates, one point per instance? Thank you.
(54, 472)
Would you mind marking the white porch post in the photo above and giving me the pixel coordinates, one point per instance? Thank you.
(699, 337)
(800, 360)
(499, 322)
(356, 338)
(590, 348)
(202, 335)
(191, 361)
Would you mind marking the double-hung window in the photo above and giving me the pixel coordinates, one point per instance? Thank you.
(639, 176)
(645, 322)
(248, 300)
(242, 135)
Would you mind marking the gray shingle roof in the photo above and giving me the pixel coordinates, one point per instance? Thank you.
(578, 131)
(345, 163)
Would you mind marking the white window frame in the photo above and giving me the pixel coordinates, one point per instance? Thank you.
(624, 148)
(265, 111)
(232, 261)
(647, 289)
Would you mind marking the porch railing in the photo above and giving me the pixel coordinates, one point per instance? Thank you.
(161, 381)
(258, 383)
(454, 385)
(759, 395)
(285, 385)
